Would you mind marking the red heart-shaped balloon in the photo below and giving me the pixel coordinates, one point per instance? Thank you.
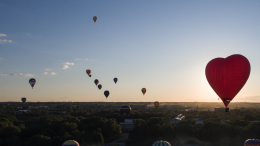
(228, 75)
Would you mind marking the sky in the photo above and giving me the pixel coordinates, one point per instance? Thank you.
(163, 46)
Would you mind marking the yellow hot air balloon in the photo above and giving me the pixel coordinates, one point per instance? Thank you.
(95, 18)
(156, 104)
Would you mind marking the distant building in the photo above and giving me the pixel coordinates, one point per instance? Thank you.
(21, 111)
(199, 121)
(63, 106)
(74, 106)
(223, 120)
(242, 109)
(42, 107)
(219, 109)
(177, 119)
(128, 124)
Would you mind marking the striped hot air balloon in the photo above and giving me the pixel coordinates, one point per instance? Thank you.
(161, 143)
(252, 142)
(70, 143)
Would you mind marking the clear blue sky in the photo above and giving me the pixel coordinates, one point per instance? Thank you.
(163, 46)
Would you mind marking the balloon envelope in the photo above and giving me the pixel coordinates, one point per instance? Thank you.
(99, 86)
(252, 142)
(115, 80)
(23, 99)
(106, 93)
(88, 71)
(32, 82)
(161, 143)
(227, 76)
(70, 143)
(95, 18)
(125, 110)
(143, 90)
(96, 81)
(156, 104)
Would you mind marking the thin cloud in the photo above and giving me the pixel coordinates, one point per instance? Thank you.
(88, 59)
(53, 73)
(1, 58)
(5, 41)
(65, 66)
(4, 74)
(20, 74)
(2, 35)
(47, 69)
(78, 59)
(28, 75)
(45, 73)
(67, 63)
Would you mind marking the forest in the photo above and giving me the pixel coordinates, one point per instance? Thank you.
(97, 128)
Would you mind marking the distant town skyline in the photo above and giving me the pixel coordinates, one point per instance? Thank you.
(163, 46)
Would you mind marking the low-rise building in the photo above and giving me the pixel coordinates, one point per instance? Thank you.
(22, 111)
(242, 109)
(219, 109)
(177, 119)
(199, 121)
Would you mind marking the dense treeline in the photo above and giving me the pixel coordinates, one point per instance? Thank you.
(239, 127)
(88, 127)
(41, 128)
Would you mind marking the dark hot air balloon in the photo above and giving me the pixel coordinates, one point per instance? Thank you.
(106, 93)
(115, 80)
(88, 71)
(227, 76)
(23, 99)
(99, 86)
(143, 91)
(252, 142)
(95, 18)
(32, 82)
(96, 81)
(125, 110)
(156, 104)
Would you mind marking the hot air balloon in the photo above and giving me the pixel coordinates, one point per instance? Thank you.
(156, 104)
(227, 76)
(70, 143)
(143, 90)
(96, 81)
(252, 142)
(99, 86)
(106, 93)
(88, 71)
(23, 99)
(32, 82)
(161, 143)
(115, 80)
(125, 110)
(95, 18)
